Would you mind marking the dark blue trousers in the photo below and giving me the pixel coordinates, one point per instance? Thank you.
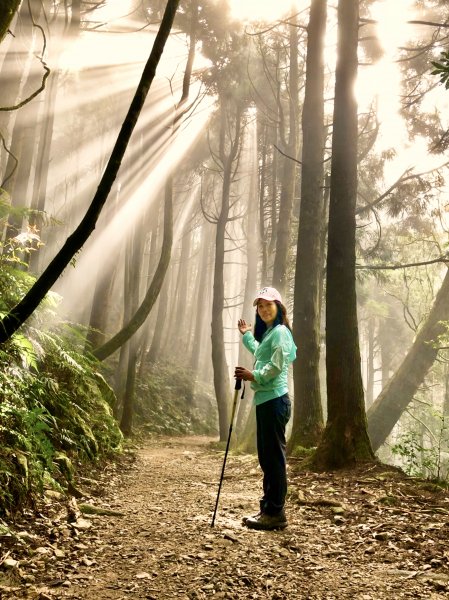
(272, 417)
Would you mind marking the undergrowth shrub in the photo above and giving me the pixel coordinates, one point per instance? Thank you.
(170, 401)
(53, 402)
(53, 409)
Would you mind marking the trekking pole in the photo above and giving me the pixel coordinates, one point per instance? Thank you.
(238, 385)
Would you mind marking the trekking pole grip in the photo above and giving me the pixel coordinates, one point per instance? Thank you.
(238, 384)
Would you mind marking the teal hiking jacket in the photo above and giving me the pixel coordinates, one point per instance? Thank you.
(273, 355)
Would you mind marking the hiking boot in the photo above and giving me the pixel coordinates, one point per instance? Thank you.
(267, 522)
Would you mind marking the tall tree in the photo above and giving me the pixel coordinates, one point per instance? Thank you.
(345, 439)
(230, 125)
(308, 414)
(281, 260)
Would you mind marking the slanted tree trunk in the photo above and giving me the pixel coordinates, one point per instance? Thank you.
(308, 414)
(401, 388)
(280, 267)
(345, 439)
(20, 313)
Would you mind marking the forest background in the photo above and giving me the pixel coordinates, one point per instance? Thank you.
(250, 163)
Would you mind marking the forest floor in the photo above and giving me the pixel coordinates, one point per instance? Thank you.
(368, 534)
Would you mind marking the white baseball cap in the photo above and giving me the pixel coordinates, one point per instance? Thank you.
(268, 293)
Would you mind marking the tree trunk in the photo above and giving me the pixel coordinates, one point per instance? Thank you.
(200, 304)
(20, 313)
(131, 297)
(308, 414)
(370, 364)
(401, 388)
(252, 246)
(156, 343)
(386, 350)
(345, 439)
(280, 267)
(262, 230)
(220, 367)
(43, 162)
(179, 301)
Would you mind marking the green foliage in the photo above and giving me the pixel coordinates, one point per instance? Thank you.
(54, 407)
(415, 457)
(424, 452)
(169, 401)
(442, 69)
(52, 412)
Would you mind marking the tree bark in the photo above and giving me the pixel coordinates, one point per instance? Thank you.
(370, 371)
(345, 440)
(252, 245)
(262, 229)
(200, 304)
(220, 367)
(22, 311)
(401, 388)
(280, 267)
(308, 414)
(131, 298)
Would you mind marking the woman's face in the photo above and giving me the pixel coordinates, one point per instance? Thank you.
(267, 311)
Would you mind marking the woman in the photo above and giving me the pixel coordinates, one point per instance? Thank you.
(274, 349)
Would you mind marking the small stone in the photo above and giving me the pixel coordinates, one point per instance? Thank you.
(24, 535)
(10, 563)
(337, 510)
(82, 524)
(143, 575)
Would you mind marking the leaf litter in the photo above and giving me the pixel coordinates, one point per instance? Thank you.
(142, 531)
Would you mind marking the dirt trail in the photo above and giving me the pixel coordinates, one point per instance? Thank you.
(343, 541)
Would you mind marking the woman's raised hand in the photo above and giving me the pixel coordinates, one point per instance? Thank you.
(243, 326)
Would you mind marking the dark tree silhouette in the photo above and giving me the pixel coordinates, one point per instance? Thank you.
(345, 439)
(308, 415)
